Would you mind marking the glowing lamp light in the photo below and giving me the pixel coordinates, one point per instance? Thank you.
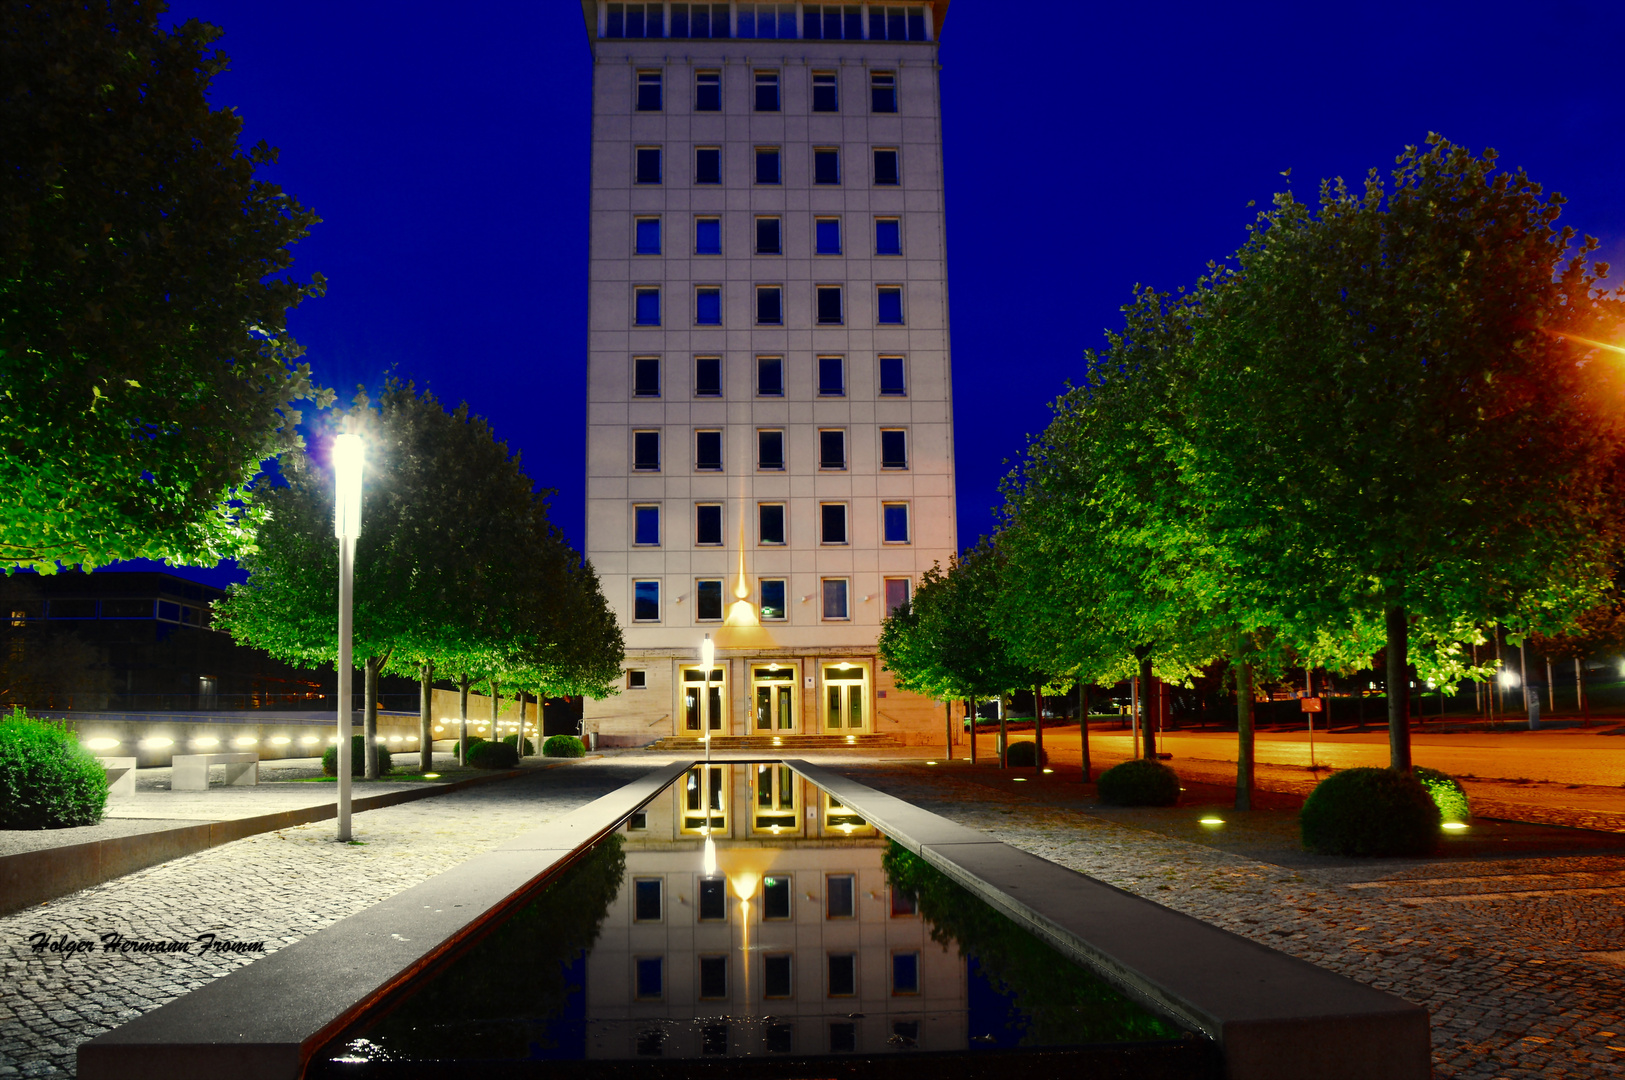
(431, 776)
(205, 742)
(280, 740)
(744, 885)
(394, 738)
(333, 739)
(1509, 679)
(309, 740)
(1213, 821)
(930, 763)
(1049, 770)
(157, 742)
(1019, 779)
(438, 727)
(709, 860)
(101, 744)
(708, 654)
(244, 740)
(349, 460)
(1454, 826)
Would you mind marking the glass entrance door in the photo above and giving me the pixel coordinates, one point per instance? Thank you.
(775, 698)
(704, 701)
(846, 698)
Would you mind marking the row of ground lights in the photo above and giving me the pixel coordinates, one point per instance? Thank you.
(209, 742)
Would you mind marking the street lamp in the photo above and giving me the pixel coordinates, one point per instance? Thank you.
(708, 657)
(349, 456)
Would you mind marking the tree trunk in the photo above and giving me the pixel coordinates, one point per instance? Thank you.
(496, 707)
(1244, 732)
(970, 715)
(1551, 687)
(462, 719)
(425, 720)
(1083, 729)
(1038, 729)
(369, 722)
(1399, 694)
(1148, 697)
(948, 731)
(519, 743)
(1004, 734)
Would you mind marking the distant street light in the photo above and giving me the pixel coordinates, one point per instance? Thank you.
(349, 455)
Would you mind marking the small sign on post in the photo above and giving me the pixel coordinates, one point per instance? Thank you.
(1310, 704)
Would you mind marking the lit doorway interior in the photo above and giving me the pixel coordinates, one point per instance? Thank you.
(846, 698)
(775, 697)
(704, 797)
(776, 810)
(704, 701)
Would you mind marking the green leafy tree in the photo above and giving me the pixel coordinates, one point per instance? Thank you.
(1396, 422)
(145, 366)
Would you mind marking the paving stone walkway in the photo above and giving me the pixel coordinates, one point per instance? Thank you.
(1521, 962)
(274, 888)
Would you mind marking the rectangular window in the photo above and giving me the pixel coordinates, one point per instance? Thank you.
(832, 22)
(882, 91)
(831, 376)
(646, 601)
(708, 376)
(903, 902)
(707, 89)
(646, 376)
(637, 679)
(713, 899)
(770, 522)
(905, 973)
(835, 597)
(770, 449)
(888, 236)
(767, 165)
(843, 976)
(832, 523)
(826, 166)
(772, 598)
(646, 525)
(829, 305)
(776, 981)
(767, 91)
(648, 233)
(825, 96)
(695, 20)
(895, 518)
(889, 305)
(827, 236)
(840, 892)
(708, 165)
(776, 897)
(648, 165)
(646, 451)
(708, 451)
(769, 305)
(708, 524)
(769, 236)
(770, 376)
(893, 380)
(843, 1038)
(648, 91)
(646, 310)
(708, 599)
(707, 305)
(646, 899)
(649, 978)
(893, 448)
(708, 236)
(832, 449)
(886, 174)
(714, 977)
(897, 595)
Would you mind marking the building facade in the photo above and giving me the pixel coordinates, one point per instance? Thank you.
(769, 449)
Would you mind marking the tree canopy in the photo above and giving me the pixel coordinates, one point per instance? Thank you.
(146, 370)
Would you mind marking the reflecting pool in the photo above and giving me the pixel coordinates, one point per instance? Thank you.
(745, 920)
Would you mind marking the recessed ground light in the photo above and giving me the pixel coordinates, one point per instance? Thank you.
(1049, 770)
(101, 744)
(1213, 821)
(431, 776)
(280, 740)
(1019, 779)
(309, 740)
(1454, 826)
(157, 742)
(930, 763)
(244, 740)
(205, 742)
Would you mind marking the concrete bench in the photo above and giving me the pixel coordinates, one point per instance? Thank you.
(120, 774)
(190, 772)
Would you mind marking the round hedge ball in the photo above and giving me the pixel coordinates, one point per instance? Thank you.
(1020, 755)
(513, 740)
(1448, 794)
(47, 779)
(1369, 812)
(358, 758)
(493, 755)
(563, 746)
(1140, 782)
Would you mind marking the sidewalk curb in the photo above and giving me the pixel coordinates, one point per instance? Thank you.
(34, 877)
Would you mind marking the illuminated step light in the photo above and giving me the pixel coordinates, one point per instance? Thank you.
(280, 740)
(431, 776)
(244, 740)
(157, 742)
(1049, 770)
(395, 738)
(439, 727)
(930, 763)
(1019, 779)
(1455, 826)
(1212, 821)
(205, 742)
(101, 744)
(309, 740)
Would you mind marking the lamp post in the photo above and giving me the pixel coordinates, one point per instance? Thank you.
(348, 457)
(708, 657)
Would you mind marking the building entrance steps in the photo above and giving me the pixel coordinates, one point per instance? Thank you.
(777, 743)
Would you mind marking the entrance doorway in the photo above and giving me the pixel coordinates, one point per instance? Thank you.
(846, 698)
(775, 697)
(705, 700)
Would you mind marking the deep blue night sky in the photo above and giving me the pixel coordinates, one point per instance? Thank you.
(1089, 147)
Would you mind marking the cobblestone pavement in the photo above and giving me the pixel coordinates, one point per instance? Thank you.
(273, 888)
(1521, 962)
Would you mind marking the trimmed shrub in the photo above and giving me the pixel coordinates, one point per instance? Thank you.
(47, 780)
(1020, 755)
(473, 741)
(1369, 812)
(358, 758)
(513, 740)
(563, 746)
(1139, 783)
(1447, 794)
(493, 755)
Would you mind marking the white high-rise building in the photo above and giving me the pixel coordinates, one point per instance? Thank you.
(770, 439)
